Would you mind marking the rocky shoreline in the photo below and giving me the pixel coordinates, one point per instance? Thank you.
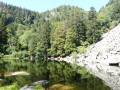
(109, 74)
(97, 58)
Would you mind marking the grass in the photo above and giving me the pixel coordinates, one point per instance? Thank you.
(14, 86)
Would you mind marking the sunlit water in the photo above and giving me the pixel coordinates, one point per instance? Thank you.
(61, 76)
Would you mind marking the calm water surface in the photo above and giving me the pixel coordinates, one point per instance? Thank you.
(62, 76)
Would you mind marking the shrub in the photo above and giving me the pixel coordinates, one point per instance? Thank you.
(86, 43)
(113, 24)
(73, 54)
(81, 49)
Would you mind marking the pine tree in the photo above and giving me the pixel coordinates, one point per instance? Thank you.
(93, 34)
(3, 34)
(45, 39)
(78, 26)
(70, 42)
(58, 41)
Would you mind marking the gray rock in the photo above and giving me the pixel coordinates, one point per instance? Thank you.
(41, 82)
(27, 88)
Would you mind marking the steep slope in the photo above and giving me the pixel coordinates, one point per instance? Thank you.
(108, 49)
(98, 57)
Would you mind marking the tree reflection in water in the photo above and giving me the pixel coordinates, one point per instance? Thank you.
(57, 73)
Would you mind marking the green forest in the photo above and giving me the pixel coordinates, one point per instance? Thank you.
(59, 32)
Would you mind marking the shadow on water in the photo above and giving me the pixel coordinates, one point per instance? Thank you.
(62, 76)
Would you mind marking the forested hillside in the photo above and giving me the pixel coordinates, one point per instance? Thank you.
(59, 32)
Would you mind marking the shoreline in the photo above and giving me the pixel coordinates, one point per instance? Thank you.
(109, 74)
(98, 57)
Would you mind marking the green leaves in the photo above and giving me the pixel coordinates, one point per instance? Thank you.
(70, 42)
(58, 40)
(54, 33)
(93, 34)
(3, 35)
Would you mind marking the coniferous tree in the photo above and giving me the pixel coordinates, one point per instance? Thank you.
(70, 42)
(24, 30)
(45, 39)
(58, 40)
(3, 34)
(93, 34)
(78, 26)
(116, 11)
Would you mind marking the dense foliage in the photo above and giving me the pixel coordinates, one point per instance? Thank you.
(25, 33)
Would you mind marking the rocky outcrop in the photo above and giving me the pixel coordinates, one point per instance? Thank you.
(108, 49)
(98, 57)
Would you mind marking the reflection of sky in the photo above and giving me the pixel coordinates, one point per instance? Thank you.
(43, 5)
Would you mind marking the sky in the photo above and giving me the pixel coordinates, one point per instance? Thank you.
(44, 5)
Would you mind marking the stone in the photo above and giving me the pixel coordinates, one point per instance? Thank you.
(27, 88)
(22, 73)
(41, 82)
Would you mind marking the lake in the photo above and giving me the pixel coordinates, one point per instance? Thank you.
(60, 75)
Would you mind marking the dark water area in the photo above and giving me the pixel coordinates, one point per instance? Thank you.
(61, 75)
